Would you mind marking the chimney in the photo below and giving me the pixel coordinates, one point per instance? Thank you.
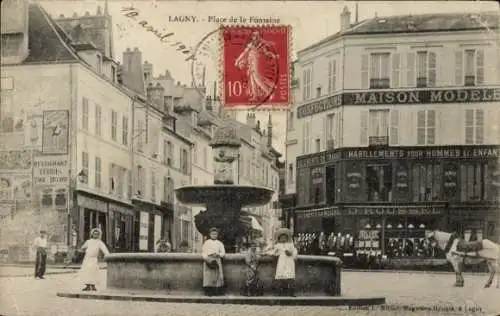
(345, 19)
(148, 72)
(269, 132)
(251, 119)
(156, 95)
(132, 72)
(257, 127)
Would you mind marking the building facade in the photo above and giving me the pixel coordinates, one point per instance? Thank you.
(394, 130)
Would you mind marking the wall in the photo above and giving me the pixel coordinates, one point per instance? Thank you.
(100, 92)
(34, 145)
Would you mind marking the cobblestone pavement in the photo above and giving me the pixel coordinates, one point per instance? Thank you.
(27, 296)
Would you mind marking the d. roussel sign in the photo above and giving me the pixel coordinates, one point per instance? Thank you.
(400, 97)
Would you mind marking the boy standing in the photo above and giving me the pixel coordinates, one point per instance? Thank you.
(40, 245)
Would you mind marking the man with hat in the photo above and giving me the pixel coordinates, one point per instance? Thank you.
(213, 251)
(40, 245)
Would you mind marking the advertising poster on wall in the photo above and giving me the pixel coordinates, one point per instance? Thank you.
(12, 161)
(55, 132)
(22, 186)
(34, 129)
(6, 192)
(143, 231)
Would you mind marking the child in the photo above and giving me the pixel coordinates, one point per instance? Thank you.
(212, 253)
(89, 271)
(285, 269)
(252, 257)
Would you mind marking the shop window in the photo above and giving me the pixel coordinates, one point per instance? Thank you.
(379, 182)
(473, 178)
(427, 182)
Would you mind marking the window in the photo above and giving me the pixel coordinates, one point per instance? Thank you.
(85, 167)
(291, 178)
(426, 127)
(120, 181)
(307, 86)
(165, 189)
(7, 116)
(205, 157)
(129, 183)
(153, 186)
(332, 76)
(125, 130)
(394, 136)
(112, 178)
(140, 181)
(113, 73)
(306, 142)
(330, 131)
(170, 190)
(290, 121)
(379, 123)
(427, 181)
(410, 70)
(195, 154)
(364, 128)
(85, 114)
(396, 71)
(379, 70)
(99, 63)
(469, 69)
(474, 126)
(7, 83)
(426, 69)
(170, 153)
(11, 44)
(98, 119)
(114, 124)
(379, 182)
(473, 178)
(318, 145)
(184, 161)
(140, 135)
(98, 172)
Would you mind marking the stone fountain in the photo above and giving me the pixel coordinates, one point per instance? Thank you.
(177, 277)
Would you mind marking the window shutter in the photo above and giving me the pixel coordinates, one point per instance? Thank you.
(334, 76)
(479, 67)
(304, 84)
(469, 126)
(479, 126)
(396, 65)
(394, 136)
(410, 70)
(330, 76)
(365, 83)
(459, 68)
(364, 128)
(431, 64)
(431, 127)
(421, 127)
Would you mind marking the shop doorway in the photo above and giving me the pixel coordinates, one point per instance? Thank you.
(94, 219)
(330, 185)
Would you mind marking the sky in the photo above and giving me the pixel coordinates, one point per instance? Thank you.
(311, 21)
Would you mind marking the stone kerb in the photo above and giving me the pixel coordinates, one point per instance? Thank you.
(181, 273)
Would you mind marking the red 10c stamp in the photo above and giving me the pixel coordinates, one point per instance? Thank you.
(256, 67)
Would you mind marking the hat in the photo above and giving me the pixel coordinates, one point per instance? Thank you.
(213, 229)
(283, 231)
(98, 230)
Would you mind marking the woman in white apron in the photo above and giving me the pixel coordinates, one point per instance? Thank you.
(212, 253)
(89, 271)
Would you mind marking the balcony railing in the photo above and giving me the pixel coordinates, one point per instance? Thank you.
(379, 83)
(378, 140)
(330, 144)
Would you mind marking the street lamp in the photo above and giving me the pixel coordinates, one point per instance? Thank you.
(82, 176)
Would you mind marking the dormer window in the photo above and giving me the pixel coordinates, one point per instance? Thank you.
(194, 117)
(99, 63)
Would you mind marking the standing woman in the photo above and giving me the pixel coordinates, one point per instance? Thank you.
(212, 253)
(89, 271)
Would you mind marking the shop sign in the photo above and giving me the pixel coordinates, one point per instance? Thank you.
(51, 170)
(392, 211)
(143, 230)
(92, 204)
(400, 97)
(119, 209)
(429, 153)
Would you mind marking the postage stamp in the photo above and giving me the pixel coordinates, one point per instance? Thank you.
(255, 67)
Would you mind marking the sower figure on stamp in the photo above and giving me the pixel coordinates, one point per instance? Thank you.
(285, 268)
(40, 245)
(258, 85)
(89, 271)
(213, 276)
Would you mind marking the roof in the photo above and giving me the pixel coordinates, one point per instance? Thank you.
(47, 42)
(439, 22)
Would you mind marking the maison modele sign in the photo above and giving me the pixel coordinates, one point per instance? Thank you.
(400, 97)
(445, 152)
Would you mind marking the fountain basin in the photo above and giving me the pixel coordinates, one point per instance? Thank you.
(181, 273)
(224, 194)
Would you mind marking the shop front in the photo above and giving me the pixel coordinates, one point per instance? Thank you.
(152, 223)
(121, 227)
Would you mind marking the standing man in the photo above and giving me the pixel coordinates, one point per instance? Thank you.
(40, 245)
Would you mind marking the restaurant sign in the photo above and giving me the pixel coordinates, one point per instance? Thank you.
(400, 97)
(51, 170)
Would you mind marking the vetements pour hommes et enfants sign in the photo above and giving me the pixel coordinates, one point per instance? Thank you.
(400, 97)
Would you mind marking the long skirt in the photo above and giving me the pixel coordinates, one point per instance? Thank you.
(89, 271)
(213, 276)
